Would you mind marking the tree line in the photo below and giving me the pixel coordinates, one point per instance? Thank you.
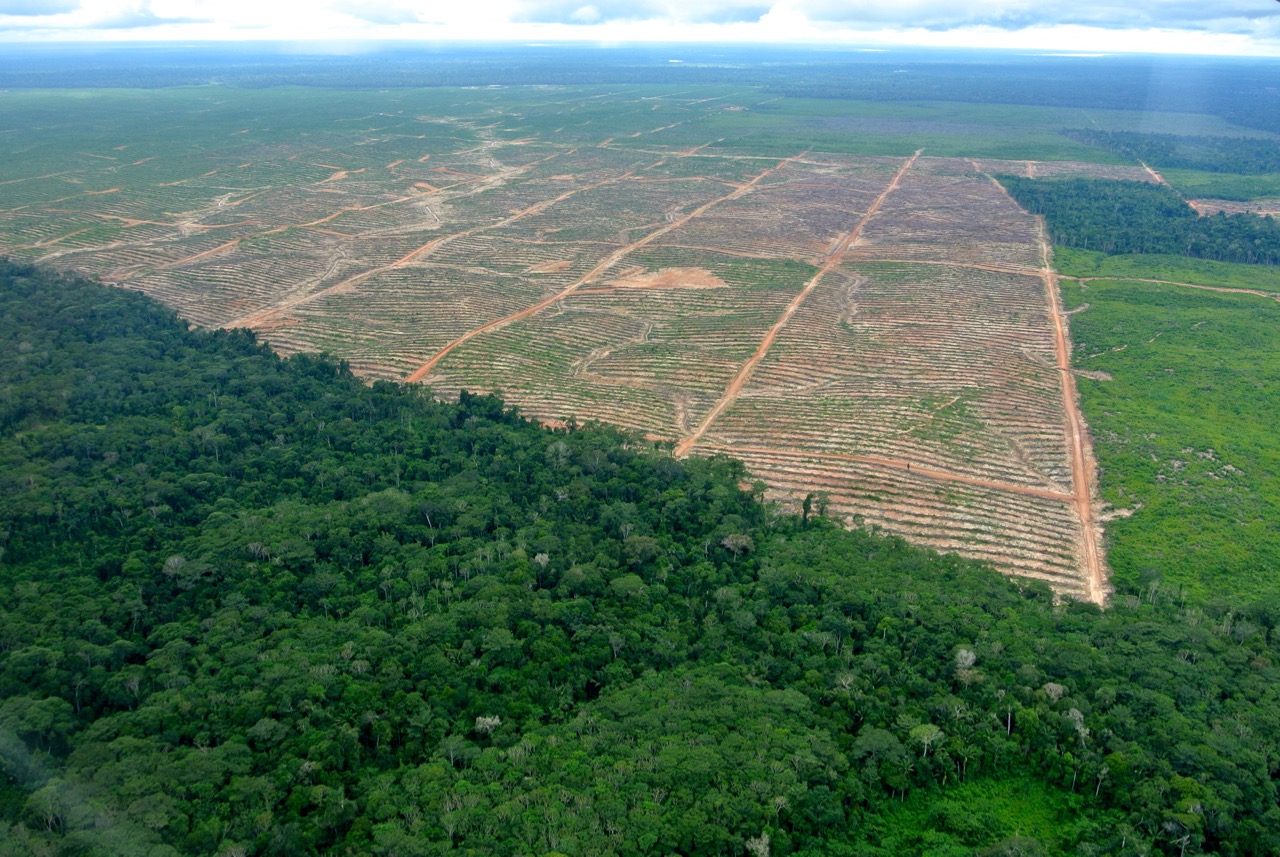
(1249, 156)
(1121, 217)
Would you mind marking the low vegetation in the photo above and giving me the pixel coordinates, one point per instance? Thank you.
(1181, 387)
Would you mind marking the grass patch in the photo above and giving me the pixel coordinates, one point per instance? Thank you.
(1185, 433)
(1198, 184)
(977, 815)
(1072, 262)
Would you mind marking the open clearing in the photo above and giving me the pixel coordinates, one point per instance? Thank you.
(884, 329)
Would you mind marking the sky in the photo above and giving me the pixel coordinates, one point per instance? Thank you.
(1231, 27)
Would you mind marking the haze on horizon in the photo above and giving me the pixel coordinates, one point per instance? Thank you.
(1228, 27)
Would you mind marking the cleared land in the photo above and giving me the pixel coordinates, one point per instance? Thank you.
(882, 328)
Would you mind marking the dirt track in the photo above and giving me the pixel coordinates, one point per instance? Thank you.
(1275, 296)
(608, 262)
(834, 258)
(1155, 175)
(264, 315)
(1077, 435)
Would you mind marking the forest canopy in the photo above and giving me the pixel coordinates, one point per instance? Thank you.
(1121, 217)
(254, 606)
(1250, 156)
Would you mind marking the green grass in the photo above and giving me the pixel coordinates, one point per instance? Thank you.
(1197, 184)
(1072, 262)
(980, 814)
(1185, 433)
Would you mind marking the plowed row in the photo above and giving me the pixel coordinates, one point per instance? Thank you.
(874, 328)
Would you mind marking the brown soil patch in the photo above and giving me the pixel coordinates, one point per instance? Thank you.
(394, 164)
(550, 267)
(101, 192)
(567, 177)
(341, 174)
(1095, 374)
(671, 278)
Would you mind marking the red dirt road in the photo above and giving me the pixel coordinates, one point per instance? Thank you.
(836, 256)
(1077, 435)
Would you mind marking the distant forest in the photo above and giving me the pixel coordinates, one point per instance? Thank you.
(1118, 217)
(254, 606)
(1249, 156)
(1242, 92)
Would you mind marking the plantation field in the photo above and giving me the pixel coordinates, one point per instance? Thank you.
(835, 292)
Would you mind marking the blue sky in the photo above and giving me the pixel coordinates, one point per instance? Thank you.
(1241, 27)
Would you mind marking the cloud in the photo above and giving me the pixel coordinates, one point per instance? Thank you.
(728, 14)
(1019, 14)
(674, 11)
(1192, 26)
(138, 17)
(33, 8)
(577, 12)
(376, 12)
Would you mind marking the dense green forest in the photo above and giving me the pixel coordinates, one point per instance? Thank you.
(1249, 156)
(254, 606)
(1119, 217)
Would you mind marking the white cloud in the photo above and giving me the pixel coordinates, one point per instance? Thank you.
(1194, 26)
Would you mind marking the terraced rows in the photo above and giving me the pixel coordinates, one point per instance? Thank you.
(943, 215)
(886, 361)
(973, 521)
(796, 213)
(829, 318)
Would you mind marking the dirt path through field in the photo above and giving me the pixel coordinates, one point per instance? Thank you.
(432, 245)
(608, 262)
(488, 183)
(1275, 296)
(1159, 179)
(896, 464)
(834, 258)
(1080, 447)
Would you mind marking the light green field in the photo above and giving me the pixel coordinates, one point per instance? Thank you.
(1181, 388)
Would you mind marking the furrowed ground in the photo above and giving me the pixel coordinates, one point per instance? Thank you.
(881, 328)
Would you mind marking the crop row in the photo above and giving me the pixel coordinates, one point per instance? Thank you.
(1025, 535)
(882, 362)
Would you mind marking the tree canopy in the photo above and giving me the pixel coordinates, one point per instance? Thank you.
(254, 606)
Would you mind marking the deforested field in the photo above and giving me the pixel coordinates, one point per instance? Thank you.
(882, 332)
